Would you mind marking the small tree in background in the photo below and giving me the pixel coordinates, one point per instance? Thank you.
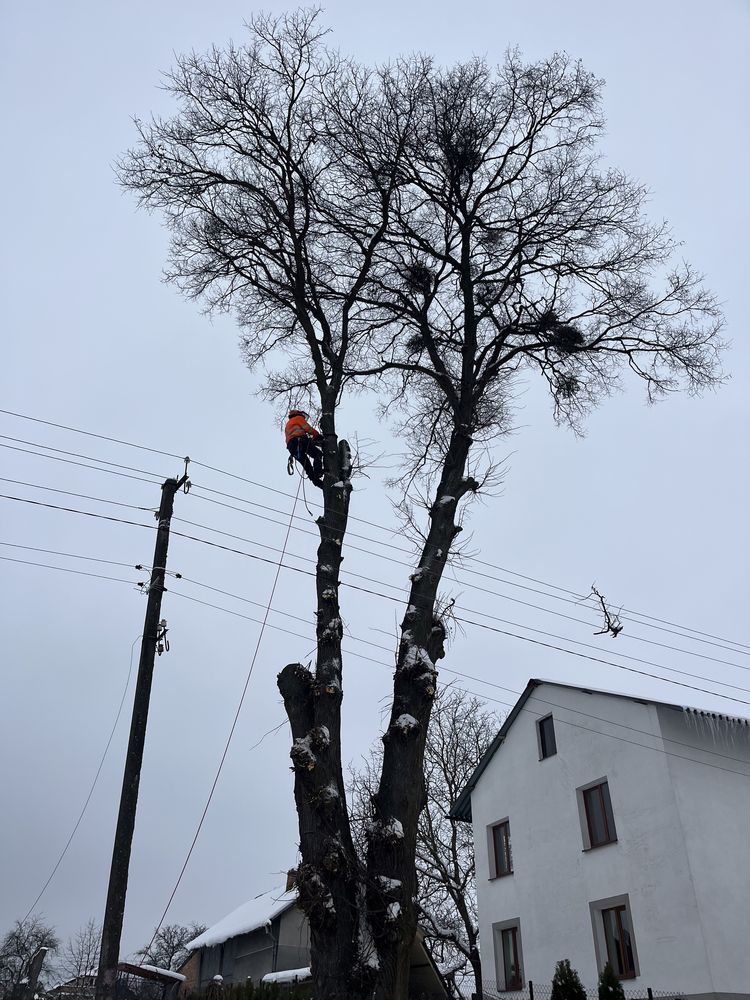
(565, 983)
(460, 732)
(610, 987)
(18, 947)
(80, 956)
(168, 949)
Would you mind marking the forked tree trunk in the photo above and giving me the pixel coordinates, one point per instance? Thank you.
(363, 925)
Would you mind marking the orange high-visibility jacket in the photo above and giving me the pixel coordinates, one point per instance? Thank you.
(298, 427)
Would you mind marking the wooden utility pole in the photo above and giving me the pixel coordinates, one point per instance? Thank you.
(118, 876)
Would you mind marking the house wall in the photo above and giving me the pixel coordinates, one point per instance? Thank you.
(191, 970)
(293, 941)
(714, 806)
(554, 878)
(284, 944)
(239, 958)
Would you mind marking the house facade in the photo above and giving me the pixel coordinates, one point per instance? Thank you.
(268, 939)
(613, 828)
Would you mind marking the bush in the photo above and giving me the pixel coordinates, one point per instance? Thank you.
(610, 987)
(565, 984)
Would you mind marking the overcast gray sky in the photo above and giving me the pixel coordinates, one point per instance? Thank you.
(651, 504)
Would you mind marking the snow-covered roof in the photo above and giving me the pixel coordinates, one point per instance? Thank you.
(150, 972)
(706, 712)
(249, 917)
(288, 976)
(164, 972)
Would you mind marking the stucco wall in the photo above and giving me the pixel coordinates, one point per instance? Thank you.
(714, 805)
(554, 879)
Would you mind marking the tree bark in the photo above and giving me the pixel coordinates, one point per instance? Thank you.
(401, 796)
(328, 877)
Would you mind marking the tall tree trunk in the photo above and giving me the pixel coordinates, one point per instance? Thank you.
(401, 796)
(328, 878)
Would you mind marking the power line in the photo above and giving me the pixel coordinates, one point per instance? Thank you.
(458, 673)
(76, 510)
(69, 493)
(75, 454)
(77, 430)
(70, 461)
(529, 628)
(595, 659)
(451, 671)
(662, 622)
(66, 569)
(483, 614)
(572, 652)
(506, 597)
(91, 789)
(70, 555)
(644, 639)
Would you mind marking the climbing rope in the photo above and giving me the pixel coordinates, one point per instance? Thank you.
(231, 729)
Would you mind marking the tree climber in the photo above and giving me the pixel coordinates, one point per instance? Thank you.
(302, 442)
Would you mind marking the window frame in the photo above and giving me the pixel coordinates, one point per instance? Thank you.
(605, 803)
(622, 959)
(494, 831)
(517, 983)
(543, 754)
(599, 910)
(500, 931)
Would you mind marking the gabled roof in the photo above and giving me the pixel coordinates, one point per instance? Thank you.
(257, 912)
(461, 808)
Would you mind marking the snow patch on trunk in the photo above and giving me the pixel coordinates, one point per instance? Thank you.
(417, 656)
(390, 829)
(406, 724)
(367, 952)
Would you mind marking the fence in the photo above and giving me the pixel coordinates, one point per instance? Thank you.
(541, 991)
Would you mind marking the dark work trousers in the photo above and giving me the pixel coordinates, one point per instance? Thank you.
(310, 457)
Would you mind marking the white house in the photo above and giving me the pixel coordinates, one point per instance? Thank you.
(609, 827)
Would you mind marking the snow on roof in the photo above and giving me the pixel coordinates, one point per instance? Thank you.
(164, 972)
(635, 696)
(288, 976)
(249, 917)
(150, 972)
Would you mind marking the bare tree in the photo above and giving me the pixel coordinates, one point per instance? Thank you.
(508, 252)
(80, 955)
(444, 231)
(168, 949)
(277, 193)
(461, 730)
(17, 949)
